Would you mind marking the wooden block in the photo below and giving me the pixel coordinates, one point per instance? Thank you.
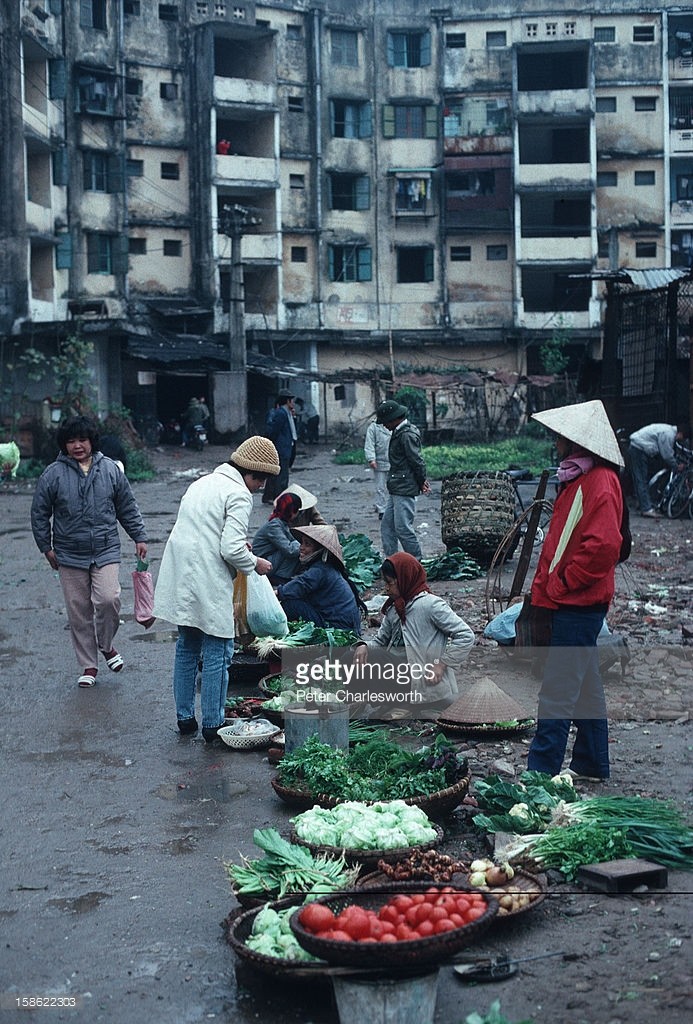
(623, 875)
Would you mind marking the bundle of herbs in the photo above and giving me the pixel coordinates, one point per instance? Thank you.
(304, 634)
(454, 564)
(521, 807)
(377, 768)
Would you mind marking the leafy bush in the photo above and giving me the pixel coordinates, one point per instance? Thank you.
(30, 469)
(441, 460)
(138, 466)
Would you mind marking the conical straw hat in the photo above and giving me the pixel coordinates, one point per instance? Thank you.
(587, 425)
(483, 704)
(326, 536)
(308, 500)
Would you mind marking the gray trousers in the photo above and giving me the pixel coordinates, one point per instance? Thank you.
(380, 497)
(397, 525)
(92, 602)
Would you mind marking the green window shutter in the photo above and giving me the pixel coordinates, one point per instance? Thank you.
(428, 265)
(362, 193)
(388, 121)
(116, 173)
(332, 119)
(329, 193)
(63, 251)
(364, 263)
(60, 166)
(365, 121)
(390, 50)
(119, 254)
(330, 262)
(57, 79)
(85, 14)
(431, 122)
(425, 49)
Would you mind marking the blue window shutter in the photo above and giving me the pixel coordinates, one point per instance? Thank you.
(119, 254)
(428, 265)
(55, 6)
(330, 260)
(388, 121)
(57, 79)
(365, 121)
(60, 166)
(390, 49)
(363, 193)
(425, 49)
(116, 173)
(331, 117)
(431, 124)
(85, 14)
(63, 251)
(364, 263)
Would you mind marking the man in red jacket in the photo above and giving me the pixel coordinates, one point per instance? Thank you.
(575, 579)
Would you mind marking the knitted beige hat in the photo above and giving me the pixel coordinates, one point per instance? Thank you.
(326, 536)
(484, 703)
(258, 455)
(587, 425)
(308, 500)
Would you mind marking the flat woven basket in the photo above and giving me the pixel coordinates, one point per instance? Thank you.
(239, 927)
(406, 955)
(476, 512)
(491, 731)
(435, 805)
(256, 742)
(368, 858)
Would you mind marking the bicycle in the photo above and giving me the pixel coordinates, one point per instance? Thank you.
(671, 490)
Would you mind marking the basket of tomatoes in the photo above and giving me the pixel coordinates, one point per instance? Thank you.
(399, 925)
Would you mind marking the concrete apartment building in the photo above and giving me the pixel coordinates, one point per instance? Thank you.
(341, 187)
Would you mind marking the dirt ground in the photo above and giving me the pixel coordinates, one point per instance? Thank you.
(115, 830)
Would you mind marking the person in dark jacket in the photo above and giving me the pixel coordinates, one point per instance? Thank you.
(275, 542)
(322, 591)
(406, 478)
(79, 501)
(281, 430)
(111, 446)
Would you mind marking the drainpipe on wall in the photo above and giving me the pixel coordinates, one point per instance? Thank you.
(317, 122)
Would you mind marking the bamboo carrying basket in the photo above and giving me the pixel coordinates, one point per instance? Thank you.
(476, 512)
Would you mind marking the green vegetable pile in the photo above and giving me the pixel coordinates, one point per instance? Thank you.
(376, 768)
(454, 564)
(524, 806)
(569, 848)
(305, 634)
(361, 558)
(442, 459)
(356, 826)
(271, 935)
(287, 869)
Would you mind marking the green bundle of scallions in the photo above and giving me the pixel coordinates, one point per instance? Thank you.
(654, 829)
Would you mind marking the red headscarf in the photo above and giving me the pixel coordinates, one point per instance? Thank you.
(285, 507)
(411, 580)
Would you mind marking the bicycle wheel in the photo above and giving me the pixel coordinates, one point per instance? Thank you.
(657, 486)
(679, 497)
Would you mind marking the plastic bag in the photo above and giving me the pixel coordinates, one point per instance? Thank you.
(240, 600)
(143, 587)
(265, 615)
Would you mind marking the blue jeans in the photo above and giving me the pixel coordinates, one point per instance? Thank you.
(216, 653)
(397, 524)
(572, 690)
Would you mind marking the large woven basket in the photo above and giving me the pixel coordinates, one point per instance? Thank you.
(239, 927)
(435, 805)
(476, 512)
(368, 858)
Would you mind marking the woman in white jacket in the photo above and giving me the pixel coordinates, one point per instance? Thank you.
(194, 589)
(421, 628)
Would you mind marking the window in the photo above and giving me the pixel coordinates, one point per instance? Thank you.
(95, 93)
(133, 86)
(295, 104)
(344, 47)
(495, 40)
(134, 168)
(603, 247)
(412, 195)
(408, 49)
(569, 28)
(607, 179)
(684, 186)
(471, 183)
(644, 178)
(532, 30)
(349, 192)
(643, 33)
(172, 247)
(92, 14)
(168, 90)
(646, 250)
(99, 254)
(170, 172)
(414, 264)
(605, 105)
(496, 252)
(168, 12)
(456, 40)
(645, 102)
(95, 177)
(349, 262)
(350, 119)
(409, 122)
(605, 34)
(299, 254)
(137, 246)
(131, 8)
(460, 253)
(551, 28)
(297, 181)
(294, 31)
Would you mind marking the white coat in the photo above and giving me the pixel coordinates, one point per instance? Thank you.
(205, 549)
(377, 445)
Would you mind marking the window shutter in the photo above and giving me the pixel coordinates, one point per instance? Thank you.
(55, 6)
(57, 79)
(63, 251)
(332, 118)
(330, 262)
(428, 265)
(431, 122)
(329, 192)
(85, 13)
(390, 50)
(116, 173)
(425, 49)
(60, 166)
(364, 263)
(119, 254)
(365, 121)
(363, 193)
(388, 121)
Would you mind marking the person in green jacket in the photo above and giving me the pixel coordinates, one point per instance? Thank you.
(405, 479)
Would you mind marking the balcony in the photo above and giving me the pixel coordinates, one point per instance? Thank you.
(573, 320)
(681, 214)
(681, 140)
(39, 218)
(252, 171)
(551, 248)
(575, 175)
(37, 121)
(556, 102)
(245, 91)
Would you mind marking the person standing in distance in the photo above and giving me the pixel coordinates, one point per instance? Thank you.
(405, 479)
(281, 430)
(654, 441)
(375, 449)
(205, 550)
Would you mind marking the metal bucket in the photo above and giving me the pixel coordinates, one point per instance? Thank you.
(329, 722)
(387, 1000)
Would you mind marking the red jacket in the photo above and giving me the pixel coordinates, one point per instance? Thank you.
(581, 551)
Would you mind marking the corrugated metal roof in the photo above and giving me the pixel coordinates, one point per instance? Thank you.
(653, 277)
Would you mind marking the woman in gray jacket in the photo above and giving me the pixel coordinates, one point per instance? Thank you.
(275, 542)
(79, 501)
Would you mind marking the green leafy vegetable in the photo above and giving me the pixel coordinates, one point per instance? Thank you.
(287, 868)
(494, 1016)
(570, 847)
(361, 558)
(454, 564)
(521, 807)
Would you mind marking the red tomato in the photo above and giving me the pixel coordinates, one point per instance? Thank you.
(445, 925)
(340, 936)
(316, 917)
(423, 912)
(425, 928)
(410, 916)
(388, 913)
(369, 938)
(474, 912)
(376, 927)
(418, 897)
(438, 914)
(448, 901)
(405, 933)
(463, 904)
(388, 937)
(402, 903)
(358, 925)
(387, 928)
(457, 920)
